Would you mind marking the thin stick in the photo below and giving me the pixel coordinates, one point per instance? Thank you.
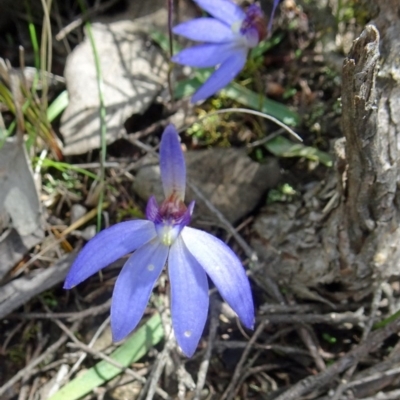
(238, 370)
(202, 374)
(310, 383)
(80, 360)
(70, 316)
(367, 329)
(332, 318)
(312, 347)
(162, 358)
(46, 50)
(78, 21)
(102, 114)
(170, 5)
(393, 395)
(159, 366)
(25, 371)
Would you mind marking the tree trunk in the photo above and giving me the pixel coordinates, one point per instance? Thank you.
(347, 229)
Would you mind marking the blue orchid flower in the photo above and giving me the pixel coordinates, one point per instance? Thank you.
(164, 238)
(227, 39)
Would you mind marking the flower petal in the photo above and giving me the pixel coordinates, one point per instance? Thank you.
(108, 246)
(205, 30)
(224, 269)
(222, 76)
(152, 210)
(134, 285)
(189, 297)
(172, 164)
(206, 55)
(225, 10)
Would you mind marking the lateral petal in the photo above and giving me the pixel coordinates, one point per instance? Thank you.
(172, 164)
(108, 246)
(134, 286)
(152, 210)
(189, 297)
(208, 30)
(225, 270)
(225, 10)
(206, 55)
(222, 76)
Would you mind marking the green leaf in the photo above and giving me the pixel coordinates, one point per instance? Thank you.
(61, 166)
(259, 102)
(265, 45)
(57, 106)
(240, 94)
(163, 41)
(329, 338)
(188, 86)
(147, 336)
(282, 147)
(386, 321)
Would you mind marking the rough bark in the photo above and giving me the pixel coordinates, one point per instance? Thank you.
(371, 125)
(349, 233)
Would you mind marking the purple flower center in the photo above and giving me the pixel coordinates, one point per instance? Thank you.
(172, 209)
(254, 27)
(170, 218)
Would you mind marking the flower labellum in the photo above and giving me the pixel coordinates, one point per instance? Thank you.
(227, 39)
(164, 238)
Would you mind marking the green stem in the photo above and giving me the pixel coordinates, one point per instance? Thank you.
(102, 111)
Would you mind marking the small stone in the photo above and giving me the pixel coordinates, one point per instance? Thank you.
(89, 232)
(77, 211)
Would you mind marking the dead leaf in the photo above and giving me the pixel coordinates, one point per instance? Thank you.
(19, 202)
(18, 194)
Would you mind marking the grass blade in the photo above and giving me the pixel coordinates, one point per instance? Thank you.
(57, 106)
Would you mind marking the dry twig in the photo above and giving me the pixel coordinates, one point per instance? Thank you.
(214, 322)
(24, 372)
(322, 379)
(238, 370)
(367, 329)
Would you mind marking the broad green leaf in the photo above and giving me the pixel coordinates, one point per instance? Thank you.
(259, 102)
(282, 147)
(240, 94)
(147, 336)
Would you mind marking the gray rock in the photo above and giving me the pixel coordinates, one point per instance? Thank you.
(134, 71)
